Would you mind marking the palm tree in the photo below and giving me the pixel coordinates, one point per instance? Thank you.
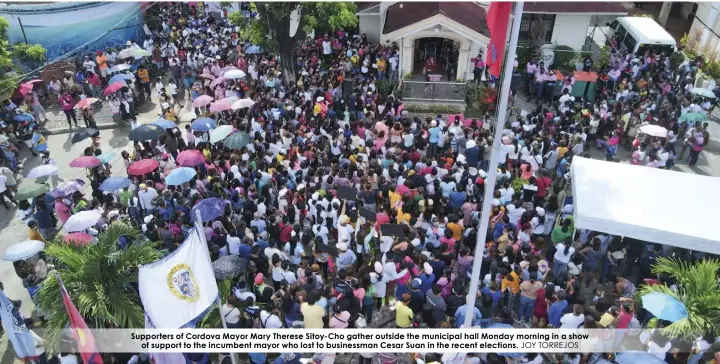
(698, 290)
(101, 280)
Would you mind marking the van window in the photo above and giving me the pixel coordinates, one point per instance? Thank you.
(630, 43)
(620, 33)
(667, 49)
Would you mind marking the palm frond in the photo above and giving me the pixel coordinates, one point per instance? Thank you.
(212, 319)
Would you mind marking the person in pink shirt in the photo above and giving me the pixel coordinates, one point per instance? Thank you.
(66, 102)
(479, 67)
(540, 78)
(63, 211)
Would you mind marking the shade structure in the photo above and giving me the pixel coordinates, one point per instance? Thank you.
(31, 190)
(146, 132)
(654, 130)
(67, 188)
(220, 133)
(86, 102)
(664, 306)
(78, 238)
(190, 158)
(125, 53)
(107, 157)
(114, 87)
(692, 117)
(120, 78)
(165, 124)
(237, 140)
(23, 250)
(114, 183)
(83, 134)
(203, 124)
(82, 220)
(218, 81)
(86, 161)
(210, 209)
(139, 53)
(242, 103)
(233, 74)
(43, 171)
(202, 101)
(141, 167)
(623, 199)
(221, 105)
(179, 176)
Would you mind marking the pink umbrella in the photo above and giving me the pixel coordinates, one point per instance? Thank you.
(190, 158)
(202, 101)
(141, 167)
(221, 105)
(228, 68)
(86, 102)
(85, 162)
(78, 238)
(30, 84)
(115, 87)
(218, 81)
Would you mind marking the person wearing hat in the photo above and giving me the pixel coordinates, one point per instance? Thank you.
(147, 197)
(346, 258)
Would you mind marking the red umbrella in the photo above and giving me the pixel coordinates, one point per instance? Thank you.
(141, 167)
(78, 238)
(190, 158)
(114, 88)
(86, 102)
(85, 162)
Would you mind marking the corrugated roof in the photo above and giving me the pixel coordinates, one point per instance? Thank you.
(468, 14)
(594, 7)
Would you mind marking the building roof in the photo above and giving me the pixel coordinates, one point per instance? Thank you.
(365, 5)
(591, 7)
(468, 14)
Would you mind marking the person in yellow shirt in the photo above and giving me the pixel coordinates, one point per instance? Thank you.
(403, 217)
(381, 68)
(455, 228)
(511, 283)
(33, 232)
(101, 61)
(403, 313)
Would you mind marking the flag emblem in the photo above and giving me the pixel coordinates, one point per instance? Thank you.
(182, 284)
(17, 321)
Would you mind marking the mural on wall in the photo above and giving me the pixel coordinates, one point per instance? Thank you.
(63, 27)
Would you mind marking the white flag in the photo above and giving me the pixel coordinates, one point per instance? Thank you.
(178, 288)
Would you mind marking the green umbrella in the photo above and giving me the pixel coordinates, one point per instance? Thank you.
(31, 190)
(692, 117)
(703, 92)
(139, 52)
(237, 140)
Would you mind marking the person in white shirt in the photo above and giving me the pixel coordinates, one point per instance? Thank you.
(574, 319)
(230, 312)
(271, 320)
(68, 358)
(89, 65)
(147, 195)
(562, 256)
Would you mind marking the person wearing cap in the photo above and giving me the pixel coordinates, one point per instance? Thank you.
(346, 258)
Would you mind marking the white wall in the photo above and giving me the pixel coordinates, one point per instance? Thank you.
(371, 26)
(570, 30)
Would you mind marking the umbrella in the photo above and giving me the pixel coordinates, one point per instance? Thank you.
(139, 53)
(24, 90)
(107, 157)
(30, 84)
(146, 132)
(692, 117)
(229, 266)
(23, 250)
(218, 81)
(83, 134)
(85, 162)
(120, 78)
(220, 133)
(86, 102)
(221, 105)
(208, 76)
(228, 68)
(114, 183)
(67, 188)
(210, 209)
(78, 238)
(119, 68)
(203, 124)
(82, 220)
(125, 53)
(31, 190)
(664, 306)
(23, 117)
(632, 357)
(114, 87)
(202, 101)
(141, 167)
(190, 158)
(654, 130)
(179, 176)
(241, 104)
(237, 140)
(43, 171)
(703, 92)
(253, 49)
(165, 124)
(233, 74)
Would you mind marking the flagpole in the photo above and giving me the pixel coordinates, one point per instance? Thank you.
(201, 231)
(492, 168)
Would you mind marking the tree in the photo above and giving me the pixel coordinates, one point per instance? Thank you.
(11, 54)
(271, 28)
(101, 280)
(698, 290)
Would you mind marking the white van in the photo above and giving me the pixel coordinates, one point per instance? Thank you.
(640, 34)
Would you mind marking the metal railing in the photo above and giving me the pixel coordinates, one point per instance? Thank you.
(434, 91)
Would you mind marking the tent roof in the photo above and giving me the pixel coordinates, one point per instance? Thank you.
(650, 204)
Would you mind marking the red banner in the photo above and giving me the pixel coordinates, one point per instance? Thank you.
(498, 17)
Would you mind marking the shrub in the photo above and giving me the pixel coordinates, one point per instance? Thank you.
(564, 57)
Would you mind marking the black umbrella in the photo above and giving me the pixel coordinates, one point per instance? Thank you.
(83, 134)
(146, 132)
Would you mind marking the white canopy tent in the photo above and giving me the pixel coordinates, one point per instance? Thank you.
(650, 204)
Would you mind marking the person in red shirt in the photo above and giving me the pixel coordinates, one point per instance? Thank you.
(543, 183)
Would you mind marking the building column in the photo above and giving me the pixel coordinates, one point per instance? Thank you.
(664, 13)
(408, 57)
(462, 71)
(710, 23)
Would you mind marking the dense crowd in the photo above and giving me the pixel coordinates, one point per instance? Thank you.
(318, 256)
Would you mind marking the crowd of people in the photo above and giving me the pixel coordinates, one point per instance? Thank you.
(405, 238)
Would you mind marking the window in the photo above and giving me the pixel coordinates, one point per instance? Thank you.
(620, 34)
(549, 20)
(630, 43)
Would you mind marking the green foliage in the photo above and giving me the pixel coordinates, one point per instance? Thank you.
(523, 52)
(564, 57)
(481, 98)
(518, 183)
(698, 290)
(212, 319)
(676, 59)
(8, 53)
(99, 279)
(385, 87)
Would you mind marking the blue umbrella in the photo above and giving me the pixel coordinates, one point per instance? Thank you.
(210, 209)
(179, 176)
(632, 357)
(203, 124)
(107, 157)
(664, 306)
(114, 183)
(24, 117)
(253, 49)
(505, 326)
(165, 124)
(119, 78)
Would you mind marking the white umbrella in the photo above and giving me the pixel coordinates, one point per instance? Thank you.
(82, 220)
(654, 130)
(220, 133)
(43, 171)
(241, 104)
(125, 53)
(23, 250)
(120, 67)
(233, 74)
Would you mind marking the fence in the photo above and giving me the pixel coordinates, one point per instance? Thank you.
(434, 91)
